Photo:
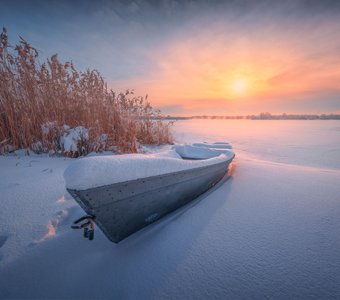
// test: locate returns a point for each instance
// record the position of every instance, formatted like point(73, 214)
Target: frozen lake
point(307, 143)
point(270, 231)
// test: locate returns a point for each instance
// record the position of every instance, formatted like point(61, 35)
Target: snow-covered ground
point(270, 231)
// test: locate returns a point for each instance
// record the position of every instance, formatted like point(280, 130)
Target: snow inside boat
point(124, 193)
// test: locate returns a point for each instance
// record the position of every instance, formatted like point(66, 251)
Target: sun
point(239, 86)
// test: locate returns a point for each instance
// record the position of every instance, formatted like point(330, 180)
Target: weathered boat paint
point(121, 209)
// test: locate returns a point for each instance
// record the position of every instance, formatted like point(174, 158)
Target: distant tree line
point(265, 116)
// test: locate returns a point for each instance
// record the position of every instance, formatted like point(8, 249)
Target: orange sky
point(213, 57)
point(210, 71)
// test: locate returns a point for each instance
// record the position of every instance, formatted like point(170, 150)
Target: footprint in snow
point(3, 239)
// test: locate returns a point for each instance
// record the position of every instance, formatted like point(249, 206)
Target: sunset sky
point(197, 57)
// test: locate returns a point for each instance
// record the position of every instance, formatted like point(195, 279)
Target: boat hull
point(121, 209)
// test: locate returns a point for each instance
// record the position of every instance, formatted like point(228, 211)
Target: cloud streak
point(187, 55)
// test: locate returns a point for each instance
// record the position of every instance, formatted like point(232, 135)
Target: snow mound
point(70, 141)
point(93, 172)
point(194, 152)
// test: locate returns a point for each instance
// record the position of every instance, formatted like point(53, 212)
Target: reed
point(37, 101)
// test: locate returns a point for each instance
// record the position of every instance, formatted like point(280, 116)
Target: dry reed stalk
point(33, 94)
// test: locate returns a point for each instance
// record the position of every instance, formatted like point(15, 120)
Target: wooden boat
point(121, 209)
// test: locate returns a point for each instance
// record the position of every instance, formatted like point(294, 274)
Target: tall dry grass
point(34, 95)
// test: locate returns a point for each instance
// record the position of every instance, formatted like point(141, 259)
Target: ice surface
point(271, 231)
point(92, 172)
point(306, 143)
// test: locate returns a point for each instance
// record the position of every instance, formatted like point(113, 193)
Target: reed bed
point(42, 105)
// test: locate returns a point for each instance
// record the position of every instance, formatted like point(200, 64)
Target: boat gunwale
point(150, 177)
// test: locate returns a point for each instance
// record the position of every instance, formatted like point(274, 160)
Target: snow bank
point(70, 141)
point(194, 152)
point(92, 172)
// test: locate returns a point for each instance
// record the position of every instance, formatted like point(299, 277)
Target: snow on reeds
point(43, 106)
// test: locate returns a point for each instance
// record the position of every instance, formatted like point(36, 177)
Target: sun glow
point(239, 87)
point(237, 79)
